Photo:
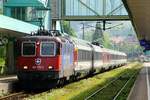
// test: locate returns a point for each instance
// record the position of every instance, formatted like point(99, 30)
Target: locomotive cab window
point(28, 49)
point(48, 49)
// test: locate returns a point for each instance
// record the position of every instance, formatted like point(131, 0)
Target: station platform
point(7, 84)
point(141, 88)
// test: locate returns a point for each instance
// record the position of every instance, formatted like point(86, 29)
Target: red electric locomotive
point(44, 57)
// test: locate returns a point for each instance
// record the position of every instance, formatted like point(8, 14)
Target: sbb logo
point(38, 61)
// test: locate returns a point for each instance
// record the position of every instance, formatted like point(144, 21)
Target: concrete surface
point(141, 88)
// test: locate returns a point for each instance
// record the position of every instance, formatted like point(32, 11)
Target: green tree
point(2, 56)
point(2, 51)
point(107, 41)
point(67, 29)
point(89, 35)
point(98, 35)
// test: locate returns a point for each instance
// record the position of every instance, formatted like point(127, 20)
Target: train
point(52, 56)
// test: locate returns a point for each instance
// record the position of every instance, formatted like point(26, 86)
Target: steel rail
point(103, 87)
point(124, 86)
point(96, 92)
point(14, 96)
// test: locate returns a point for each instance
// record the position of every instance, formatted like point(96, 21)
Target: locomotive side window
point(28, 49)
point(48, 49)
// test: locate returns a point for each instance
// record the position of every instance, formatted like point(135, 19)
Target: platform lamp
point(41, 19)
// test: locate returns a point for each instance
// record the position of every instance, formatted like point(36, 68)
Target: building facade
point(25, 10)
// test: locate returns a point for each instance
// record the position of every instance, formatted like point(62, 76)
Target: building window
point(28, 14)
point(1, 6)
point(33, 14)
point(19, 13)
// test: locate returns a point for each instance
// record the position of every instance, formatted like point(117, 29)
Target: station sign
point(145, 44)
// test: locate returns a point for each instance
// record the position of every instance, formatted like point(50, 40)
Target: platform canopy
point(140, 15)
point(13, 27)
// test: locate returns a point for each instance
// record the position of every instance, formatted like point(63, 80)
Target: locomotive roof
point(55, 38)
point(37, 37)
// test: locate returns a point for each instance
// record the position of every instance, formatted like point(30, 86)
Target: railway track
point(15, 96)
point(110, 83)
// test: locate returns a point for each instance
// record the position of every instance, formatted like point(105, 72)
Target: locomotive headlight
point(75, 63)
point(25, 67)
point(50, 67)
point(38, 43)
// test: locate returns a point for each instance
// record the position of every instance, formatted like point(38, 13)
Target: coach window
point(64, 49)
point(79, 56)
point(28, 49)
point(48, 49)
point(86, 55)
